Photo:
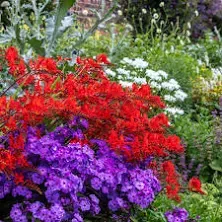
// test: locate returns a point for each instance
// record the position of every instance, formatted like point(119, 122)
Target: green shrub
point(206, 206)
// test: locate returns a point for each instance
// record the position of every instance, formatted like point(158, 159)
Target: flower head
point(195, 185)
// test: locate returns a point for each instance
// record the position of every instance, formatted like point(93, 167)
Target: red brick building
point(82, 7)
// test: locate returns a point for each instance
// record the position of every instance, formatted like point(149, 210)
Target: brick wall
point(82, 7)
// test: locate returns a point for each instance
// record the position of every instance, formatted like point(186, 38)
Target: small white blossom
point(174, 111)
point(158, 31)
point(5, 4)
point(174, 84)
point(85, 12)
point(155, 85)
point(155, 16)
point(136, 63)
point(163, 74)
point(153, 21)
point(196, 13)
point(188, 33)
point(161, 4)
point(119, 77)
point(180, 95)
point(120, 13)
point(126, 60)
point(129, 27)
point(123, 71)
point(171, 85)
point(200, 62)
point(139, 63)
point(110, 72)
point(126, 84)
point(144, 11)
point(140, 80)
point(153, 75)
point(169, 98)
point(217, 73)
point(188, 25)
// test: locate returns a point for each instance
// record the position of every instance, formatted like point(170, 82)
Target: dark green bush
point(5, 4)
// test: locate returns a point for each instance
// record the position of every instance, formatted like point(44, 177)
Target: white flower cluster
point(110, 72)
point(208, 84)
point(136, 71)
point(174, 111)
point(217, 73)
point(136, 63)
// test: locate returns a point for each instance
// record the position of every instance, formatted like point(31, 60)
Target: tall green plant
point(39, 31)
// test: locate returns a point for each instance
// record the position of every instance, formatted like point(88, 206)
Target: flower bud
point(144, 11)
point(5, 4)
point(161, 4)
point(155, 16)
point(120, 13)
point(85, 12)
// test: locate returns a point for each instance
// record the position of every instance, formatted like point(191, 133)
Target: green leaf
point(54, 83)
point(216, 165)
point(62, 8)
point(133, 219)
point(18, 40)
point(36, 44)
point(8, 35)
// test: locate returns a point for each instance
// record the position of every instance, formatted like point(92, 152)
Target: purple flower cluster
point(177, 215)
point(209, 16)
point(77, 180)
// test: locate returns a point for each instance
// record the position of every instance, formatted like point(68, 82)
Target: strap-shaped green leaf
point(216, 165)
point(37, 46)
point(61, 11)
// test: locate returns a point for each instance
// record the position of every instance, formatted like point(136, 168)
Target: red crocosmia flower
point(11, 124)
point(19, 178)
point(102, 58)
point(16, 143)
point(171, 178)
point(194, 185)
point(45, 64)
point(15, 62)
point(11, 54)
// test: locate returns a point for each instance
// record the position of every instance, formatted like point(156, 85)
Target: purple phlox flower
point(80, 122)
point(37, 178)
point(34, 207)
point(77, 218)
point(58, 211)
point(113, 205)
point(95, 209)
point(177, 214)
point(21, 191)
point(16, 212)
point(105, 190)
point(89, 152)
point(78, 134)
point(96, 183)
point(139, 185)
point(100, 143)
point(84, 204)
point(94, 198)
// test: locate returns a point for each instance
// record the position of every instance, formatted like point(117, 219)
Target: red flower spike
point(172, 187)
point(102, 58)
point(16, 64)
point(194, 185)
